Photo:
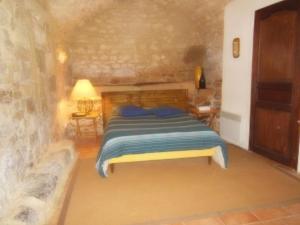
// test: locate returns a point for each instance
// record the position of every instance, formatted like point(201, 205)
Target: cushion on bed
point(132, 111)
point(166, 111)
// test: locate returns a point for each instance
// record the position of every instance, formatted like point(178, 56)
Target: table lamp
point(83, 92)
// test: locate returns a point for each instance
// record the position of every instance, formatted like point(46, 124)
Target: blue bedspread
point(149, 134)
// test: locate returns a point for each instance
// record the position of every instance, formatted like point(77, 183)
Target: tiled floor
point(287, 214)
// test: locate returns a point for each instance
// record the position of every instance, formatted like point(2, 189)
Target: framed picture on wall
point(236, 48)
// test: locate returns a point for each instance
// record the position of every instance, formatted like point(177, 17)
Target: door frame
point(295, 102)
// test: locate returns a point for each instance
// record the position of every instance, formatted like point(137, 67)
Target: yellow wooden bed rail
point(163, 155)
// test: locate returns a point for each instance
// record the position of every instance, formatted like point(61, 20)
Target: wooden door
point(275, 84)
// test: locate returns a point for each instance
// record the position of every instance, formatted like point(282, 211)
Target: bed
point(149, 137)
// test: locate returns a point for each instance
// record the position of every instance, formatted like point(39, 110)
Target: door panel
point(272, 131)
point(276, 51)
point(275, 82)
point(277, 93)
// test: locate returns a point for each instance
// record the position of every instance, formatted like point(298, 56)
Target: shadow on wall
point(195, 55)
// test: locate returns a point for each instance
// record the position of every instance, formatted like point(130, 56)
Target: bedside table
point(87, 123)
point(208, 116)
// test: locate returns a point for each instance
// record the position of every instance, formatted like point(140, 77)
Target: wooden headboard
point(111, 101)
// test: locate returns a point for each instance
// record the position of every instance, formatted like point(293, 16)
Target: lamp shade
point(83, 89)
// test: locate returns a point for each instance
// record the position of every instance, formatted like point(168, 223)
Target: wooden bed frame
point(111, 101)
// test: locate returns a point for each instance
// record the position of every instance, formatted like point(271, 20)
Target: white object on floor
point(204, 108)
point(230, 124)
point(219, 158)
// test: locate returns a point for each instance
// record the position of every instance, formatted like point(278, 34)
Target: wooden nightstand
point(81, 127)
point(207, 117)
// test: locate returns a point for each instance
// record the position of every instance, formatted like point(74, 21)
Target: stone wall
point(27, 92)
point(136, 42)
point(117, 43)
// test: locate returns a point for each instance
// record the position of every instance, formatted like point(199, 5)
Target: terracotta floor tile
point(293, 209)
point(292, 220)
point(205, 221)
point(175, 224)
point(238, 218)
point(270, 222)
point(270, 213)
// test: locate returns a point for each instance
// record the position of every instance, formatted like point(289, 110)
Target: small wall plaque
point(236, 47)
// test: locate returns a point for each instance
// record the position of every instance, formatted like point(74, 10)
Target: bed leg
point(209, 160)
point(112, 168)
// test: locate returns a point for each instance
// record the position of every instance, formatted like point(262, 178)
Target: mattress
point(148, 136)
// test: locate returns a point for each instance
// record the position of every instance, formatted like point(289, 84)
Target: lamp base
point(85, 106)
point(78, 114)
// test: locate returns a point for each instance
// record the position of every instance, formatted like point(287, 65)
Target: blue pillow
point(132, 111)
point(165, 111)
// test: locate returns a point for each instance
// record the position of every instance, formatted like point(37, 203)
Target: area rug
point(147, 192)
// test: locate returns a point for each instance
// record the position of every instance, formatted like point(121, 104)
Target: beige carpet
point(154, 191)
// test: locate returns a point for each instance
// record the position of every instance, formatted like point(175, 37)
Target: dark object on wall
point(275, 106)
point(202, 81)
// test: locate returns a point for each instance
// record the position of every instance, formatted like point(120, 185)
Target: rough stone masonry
point(111, 42)
point(134, 42)
point(29, 172)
